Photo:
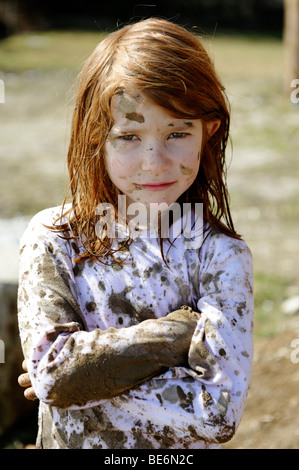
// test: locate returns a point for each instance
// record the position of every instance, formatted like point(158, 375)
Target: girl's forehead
point(124, 102)
point(133, 105)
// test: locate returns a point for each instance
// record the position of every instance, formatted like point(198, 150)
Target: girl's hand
point(24, 381)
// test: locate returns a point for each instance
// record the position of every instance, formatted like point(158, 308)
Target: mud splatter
point(135, 117)
point(126, 105)
point(119, 304)
point(90, 306)
point(208, 278)
point(184, 289)
point(185, 170)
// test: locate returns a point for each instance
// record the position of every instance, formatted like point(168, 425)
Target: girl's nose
point(154, 158)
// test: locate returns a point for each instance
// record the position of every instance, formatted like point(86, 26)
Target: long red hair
point(170, 66)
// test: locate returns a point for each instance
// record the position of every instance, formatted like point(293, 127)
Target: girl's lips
point(155, 186)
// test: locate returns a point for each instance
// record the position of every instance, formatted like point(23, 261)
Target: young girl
point(140, 340)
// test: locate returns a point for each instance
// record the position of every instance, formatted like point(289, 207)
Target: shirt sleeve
point(70, 366)
point(206, 399)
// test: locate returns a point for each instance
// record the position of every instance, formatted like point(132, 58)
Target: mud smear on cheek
point(185, 171)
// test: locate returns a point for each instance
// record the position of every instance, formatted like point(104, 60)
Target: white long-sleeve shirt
point(75, 317)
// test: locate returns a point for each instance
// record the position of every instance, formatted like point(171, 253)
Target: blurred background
point(255, 47)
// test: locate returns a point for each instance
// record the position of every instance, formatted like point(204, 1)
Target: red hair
point(169, 65)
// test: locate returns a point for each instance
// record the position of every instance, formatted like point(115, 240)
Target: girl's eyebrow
point(117, 130)
point(186, 123)
point(128, 128)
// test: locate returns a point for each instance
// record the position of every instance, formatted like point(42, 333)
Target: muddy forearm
point(122, 359)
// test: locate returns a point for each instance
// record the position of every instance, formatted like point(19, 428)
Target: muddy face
point(151, 157)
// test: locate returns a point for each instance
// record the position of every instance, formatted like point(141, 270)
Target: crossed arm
point(121, 359)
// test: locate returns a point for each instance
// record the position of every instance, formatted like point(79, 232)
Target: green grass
point(237, 57)
point(270, 290)
point(47, 51)
point(245, 57)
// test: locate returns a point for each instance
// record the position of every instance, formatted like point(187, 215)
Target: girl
point(134, 339)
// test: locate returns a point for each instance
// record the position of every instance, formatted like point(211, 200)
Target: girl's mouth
point(155, 186)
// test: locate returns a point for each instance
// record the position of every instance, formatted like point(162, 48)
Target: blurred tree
point(210, 15)
point(291, 42)
point(20, 15)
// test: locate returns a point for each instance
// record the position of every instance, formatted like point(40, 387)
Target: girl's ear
point(212, 127)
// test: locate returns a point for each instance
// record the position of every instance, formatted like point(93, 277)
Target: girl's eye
point(128, 137)
point(178, 135)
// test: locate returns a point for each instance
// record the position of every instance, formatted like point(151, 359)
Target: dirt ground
point(264, 192)
point(268, 216)
point(271, 419)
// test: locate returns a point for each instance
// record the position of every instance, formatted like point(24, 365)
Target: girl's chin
point(151, 197)
point(150, 202)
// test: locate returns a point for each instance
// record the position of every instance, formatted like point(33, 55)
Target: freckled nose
point(154, 158)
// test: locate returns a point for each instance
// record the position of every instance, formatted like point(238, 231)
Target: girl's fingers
point(24, 380)
point(30, 394)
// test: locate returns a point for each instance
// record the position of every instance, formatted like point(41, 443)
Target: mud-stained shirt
point(107, 359)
